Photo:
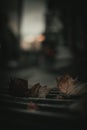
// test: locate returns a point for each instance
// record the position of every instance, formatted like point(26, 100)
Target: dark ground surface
point(46, 75)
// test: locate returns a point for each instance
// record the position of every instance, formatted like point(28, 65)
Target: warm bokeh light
point(32, 42)
point(41, 38)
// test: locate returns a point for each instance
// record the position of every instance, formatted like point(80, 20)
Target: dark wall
point(8, 41)
point(74, 18)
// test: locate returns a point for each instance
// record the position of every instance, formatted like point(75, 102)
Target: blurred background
point(42, 39)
